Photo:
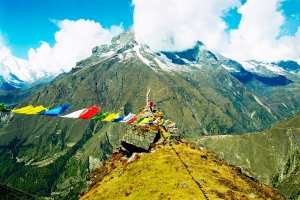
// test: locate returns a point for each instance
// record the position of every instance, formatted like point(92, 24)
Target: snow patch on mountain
point(230, 69)
point(262, 68)
point(274, 68)
point(162, 65)
point(248, 66)
point(121, 57)
point(108, 54)
point(169, 65)
point(149, 51)
point(128, 54)
point(138, 53)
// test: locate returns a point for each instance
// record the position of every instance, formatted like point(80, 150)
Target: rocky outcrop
point(94, 163)
point(137, 139)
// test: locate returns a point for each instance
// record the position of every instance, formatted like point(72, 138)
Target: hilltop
point(175, 170)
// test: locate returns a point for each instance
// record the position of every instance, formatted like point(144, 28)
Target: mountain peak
point(289, 65)
point(123, 41)
point(127, 37)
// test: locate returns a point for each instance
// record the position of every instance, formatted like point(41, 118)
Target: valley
point(210, 104)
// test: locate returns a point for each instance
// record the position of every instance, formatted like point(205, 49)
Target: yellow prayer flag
point(145, 120)
point(111, 117)
point(35, 110)
point(23, 109)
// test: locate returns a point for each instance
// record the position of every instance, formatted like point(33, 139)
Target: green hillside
point(272, 155)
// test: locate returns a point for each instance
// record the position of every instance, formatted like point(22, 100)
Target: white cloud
point(174, 25)
point(74, 42)
point(4, 50)
point(256, 37)
point(1, 40)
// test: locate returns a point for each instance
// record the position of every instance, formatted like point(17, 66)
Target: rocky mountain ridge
point(202, 97)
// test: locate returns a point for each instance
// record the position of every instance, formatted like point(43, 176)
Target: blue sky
point(240, 29)
point(291, 10)
point(26, 22)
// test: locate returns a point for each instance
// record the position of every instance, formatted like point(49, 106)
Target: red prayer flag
point(89, 113)
point(132, 120)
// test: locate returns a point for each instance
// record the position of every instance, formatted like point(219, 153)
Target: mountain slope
point(7, 193)
point(272, 155)
point(5, 86)
point(201, 96)
point(175, 172)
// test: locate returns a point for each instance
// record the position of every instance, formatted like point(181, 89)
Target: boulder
point(138, 139)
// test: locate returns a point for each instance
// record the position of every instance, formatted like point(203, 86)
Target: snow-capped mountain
point(192, 60)
point(17, 73)
point(125, 47)
point(269, 69)
point(272, 74)
point(262, 68)
point(204, 93)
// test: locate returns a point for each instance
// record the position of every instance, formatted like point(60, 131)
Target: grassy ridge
point(175, 172)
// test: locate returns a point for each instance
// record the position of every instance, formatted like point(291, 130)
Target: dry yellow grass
point(176, 172)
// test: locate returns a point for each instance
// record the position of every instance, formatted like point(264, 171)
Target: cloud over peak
point(73, 42)
point(258, 31)
point(175, 25)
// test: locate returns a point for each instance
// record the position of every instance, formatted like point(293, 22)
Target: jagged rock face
point(201, 96)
